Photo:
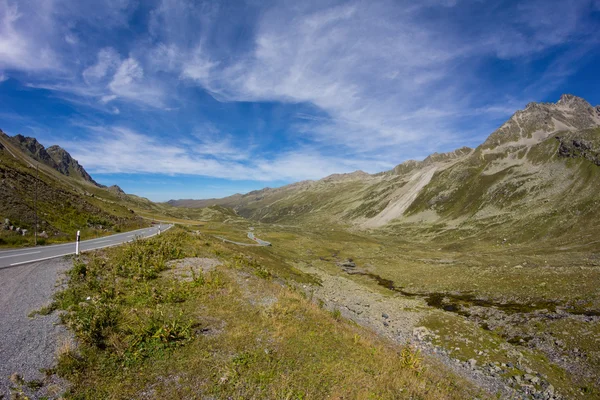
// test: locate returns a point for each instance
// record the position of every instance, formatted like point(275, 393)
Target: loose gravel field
point(28, 344)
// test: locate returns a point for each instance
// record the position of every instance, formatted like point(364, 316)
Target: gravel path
point(28, 344)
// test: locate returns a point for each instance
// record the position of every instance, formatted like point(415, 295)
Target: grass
point(529, 276)
point(235, 332)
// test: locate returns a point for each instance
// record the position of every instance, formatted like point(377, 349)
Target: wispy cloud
point(371, 83)
point(106, 154)
point(385, 75)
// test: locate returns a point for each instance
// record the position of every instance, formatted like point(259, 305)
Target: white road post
point(77, 244)
point(159, 230)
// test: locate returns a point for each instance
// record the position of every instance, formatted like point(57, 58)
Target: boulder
point(422, 333)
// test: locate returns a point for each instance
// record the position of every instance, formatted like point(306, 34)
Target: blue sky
point(191, 99)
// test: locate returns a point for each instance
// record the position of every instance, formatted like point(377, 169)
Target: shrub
point(92, 322)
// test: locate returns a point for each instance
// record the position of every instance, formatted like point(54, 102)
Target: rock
point(531, 378)
point(43, 235)
point(472, 363)
point(386, 324)
point(24, 232)
point(16, 379)
point(517, 379)
point(384, 315)
point(549, 392)
point(346, 264)
point(422, 333)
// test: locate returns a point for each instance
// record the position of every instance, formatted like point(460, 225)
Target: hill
point(543, 163)
point(52, 183)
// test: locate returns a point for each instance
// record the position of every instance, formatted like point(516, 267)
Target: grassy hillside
point(69, 200)
point(61, 209)
point(536, 177)
point(223, 324)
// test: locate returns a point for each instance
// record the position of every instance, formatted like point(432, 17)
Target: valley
point(470, 274)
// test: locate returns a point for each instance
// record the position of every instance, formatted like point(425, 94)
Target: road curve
point(12, 258)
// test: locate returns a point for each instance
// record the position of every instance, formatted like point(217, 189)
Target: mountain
point(540, 168)
point(67, 198)
point(66, 165)
point(54, 156)
point(64, 195)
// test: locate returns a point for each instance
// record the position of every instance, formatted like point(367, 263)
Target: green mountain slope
point(540, 170)
point(67, 197)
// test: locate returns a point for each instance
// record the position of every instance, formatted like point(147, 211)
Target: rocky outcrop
point(54, 156)
point(34, 149)
point(578, 148)
point(67, 165)
point(116, 190)
point(569, 113)
point(356, 175)
point(411, 165)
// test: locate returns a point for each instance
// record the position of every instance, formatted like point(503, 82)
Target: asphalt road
point(12, 258)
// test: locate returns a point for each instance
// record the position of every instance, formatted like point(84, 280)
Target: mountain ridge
point(54, 157)
point(535, 155)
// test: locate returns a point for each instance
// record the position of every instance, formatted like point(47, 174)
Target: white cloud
point(108, 60)
point(3, 77)
point(384, 80)
point(105, 154)
point(128, 82)
point(199, 67)
point(71, 38)
point(20, 46)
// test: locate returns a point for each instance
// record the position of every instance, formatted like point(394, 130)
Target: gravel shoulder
point(29, 344)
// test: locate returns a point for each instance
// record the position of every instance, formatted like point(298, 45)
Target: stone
point(24, 232)
point(422, 333)
point(472, 363)
point(530, 378)
point(43, 235)
point(384, 315)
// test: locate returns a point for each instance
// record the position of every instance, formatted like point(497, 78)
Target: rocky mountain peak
point(346, 177)
point(116, 190)
point(538, 120)
point(34, 149)
point(54, 156)
point(572, 101)
point(67, 165)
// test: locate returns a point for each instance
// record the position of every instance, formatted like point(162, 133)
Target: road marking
point(67, 254)
point(22, 254)
point(139, 232)
point(39, 259)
